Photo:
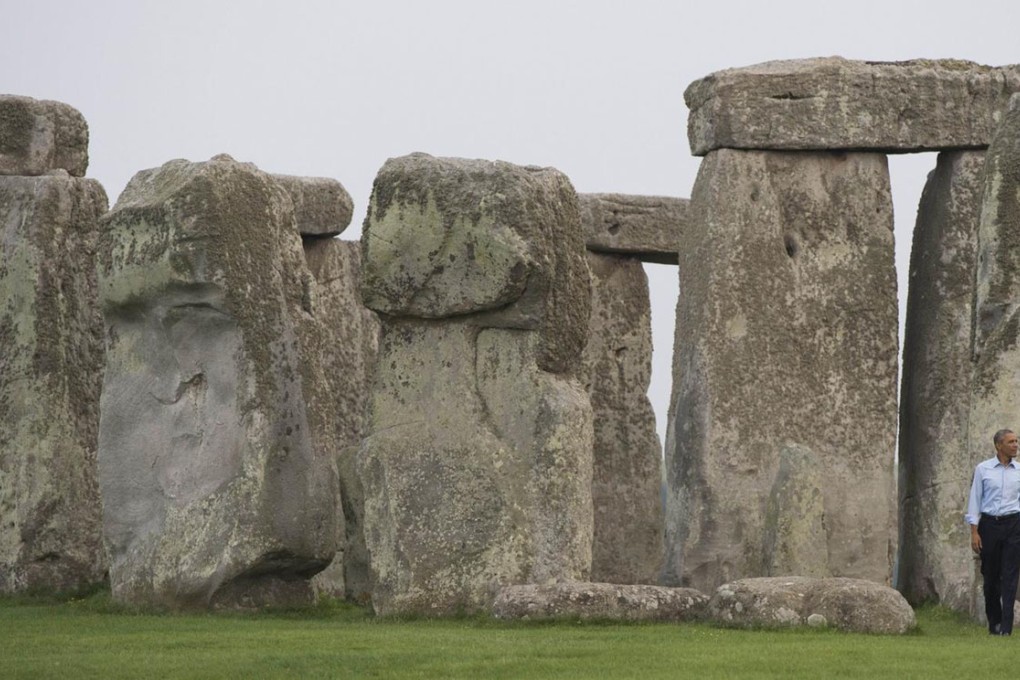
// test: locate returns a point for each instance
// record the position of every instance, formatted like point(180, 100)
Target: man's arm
point(974, 511)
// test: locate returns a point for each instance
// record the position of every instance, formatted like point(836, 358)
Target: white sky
point(593, 88)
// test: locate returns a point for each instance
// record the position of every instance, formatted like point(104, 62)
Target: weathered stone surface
point(995, 388)
point(851, 605)
point(452, 236)
point(794, 515)
point(599, 601)
point(786, 339)
point(836, 103)
point(38, 136)
point(936, 461)
point(647, 227)
point(616, 369)
point(340, 339)
point(51, 365)
point(322, 205)
point(212, 491)
point(477, 469)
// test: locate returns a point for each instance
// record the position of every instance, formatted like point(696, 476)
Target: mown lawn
point(90, 638)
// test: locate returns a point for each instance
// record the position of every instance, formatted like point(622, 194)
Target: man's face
point(1008, 446)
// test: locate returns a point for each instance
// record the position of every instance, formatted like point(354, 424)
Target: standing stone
point(340, 339)
point(995, 389)
point(836, 103)
point(477, 466)
point(341, 342)
point(936, 461)
point(51, 366)
point(786, 338)
point(628, 531)
point(213, 494)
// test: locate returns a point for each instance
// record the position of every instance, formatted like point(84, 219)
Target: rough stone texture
point(451, 236)
point(647, 227)
point(786, 340)
point(935, 461)
point(322, 205)
point(995, 389)
point(51, 365)
point(38, 136)
point(340, 339)
point(477, 469)
point(836, 103)
point(616, 369)
point(848, 604)
point(213, 494)
point(599, 601)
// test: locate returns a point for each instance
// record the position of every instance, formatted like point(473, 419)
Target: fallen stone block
point(851, 605)
point(599, 601)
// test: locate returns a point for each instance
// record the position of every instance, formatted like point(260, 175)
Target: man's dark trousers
point(1000, 567)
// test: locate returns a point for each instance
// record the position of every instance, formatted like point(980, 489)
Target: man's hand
point(975, 539)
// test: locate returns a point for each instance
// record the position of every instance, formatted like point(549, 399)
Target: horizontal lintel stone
point(39, 136)
point(322, 206)
point(647, 227)
point(835, 103)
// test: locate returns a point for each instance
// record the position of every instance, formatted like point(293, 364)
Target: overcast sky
point(333, 89)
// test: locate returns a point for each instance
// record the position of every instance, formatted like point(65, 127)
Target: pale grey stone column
point(627, 478)
point(478, 462)
point(51, 350)
point(342, 340)
point(786, 350)
point(936, 462)
point(214, 492)
point(995, 391)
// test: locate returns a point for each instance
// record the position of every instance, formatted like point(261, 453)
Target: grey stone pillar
point(627, 477)
point(214, 492)
point(340, 362)
point(51, 350)
point(936, 462)
point(995, 390)
point(784, 395)
point(477, 466)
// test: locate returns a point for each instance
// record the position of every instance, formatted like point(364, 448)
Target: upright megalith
point(936, 460)
point(995, 387)
point(340, 338)
point(786, 341)
point(477, 464)
point(213, 491)
point(51, 351)
point(627, 474)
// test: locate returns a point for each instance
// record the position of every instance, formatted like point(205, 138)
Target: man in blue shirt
point(993, 513)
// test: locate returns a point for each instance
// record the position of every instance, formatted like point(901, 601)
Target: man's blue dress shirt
point(995, 490)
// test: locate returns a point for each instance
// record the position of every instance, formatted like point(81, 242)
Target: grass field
point(92, 638)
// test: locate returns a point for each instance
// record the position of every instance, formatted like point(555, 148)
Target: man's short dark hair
point(997, 437)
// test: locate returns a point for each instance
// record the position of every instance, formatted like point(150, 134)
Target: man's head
point(1006, 445)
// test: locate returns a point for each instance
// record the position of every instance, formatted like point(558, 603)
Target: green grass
point(90, 637)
